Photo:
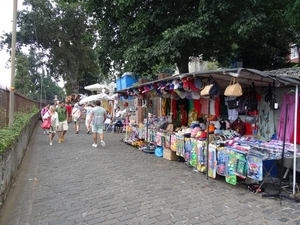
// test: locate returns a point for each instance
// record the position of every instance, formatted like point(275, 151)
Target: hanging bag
point(233, 104)
point(212, 88)
point(234, 89)
point(250, 119)
point(46, 123)
point(252, 103)
point(271, 98)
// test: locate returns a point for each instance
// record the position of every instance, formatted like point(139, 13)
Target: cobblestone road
point(75, 183)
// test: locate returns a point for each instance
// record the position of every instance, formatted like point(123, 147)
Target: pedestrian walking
point(43, 111)
point(81, 116)
point(63, 121)
point(88, 107)
point(54, 122)
point(69, 109)
point(97, 118)
point(76, 115)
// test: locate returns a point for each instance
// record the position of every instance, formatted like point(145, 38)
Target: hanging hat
point(176, 84)
point(195, 95)
point(180, 94)
point(171, 87)
point(146, 89)
point(202, 136)
point(151, 86)
point(195, 131)
point(188, 95)
point(136, 91)
point(198, 83)
point(185, 84)
point(192, 86)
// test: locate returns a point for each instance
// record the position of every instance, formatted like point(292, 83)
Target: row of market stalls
point(225, 122)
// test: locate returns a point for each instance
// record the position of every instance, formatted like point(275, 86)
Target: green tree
point(253, 31)
point(31, 80)
point(64, 33)
point(293, 16)
point(137, 35)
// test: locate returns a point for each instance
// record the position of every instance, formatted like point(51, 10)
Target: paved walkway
point(75, 183)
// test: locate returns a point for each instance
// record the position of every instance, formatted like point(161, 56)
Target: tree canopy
point(138, 34)
point(84, 41)
point(32, 80)
point(65, 34)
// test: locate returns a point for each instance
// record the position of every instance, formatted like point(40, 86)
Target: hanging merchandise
point(252, 102)
point(233, 103)
point(221, 153)
point(163, 106)
point(250, 119)
point(212, 161)
point(230, 176)
point(182, 116)
point(271, 99)
point(255, 168)
point(240, 164)
point(242, 105)
point(212, 87)
point(239, 126)
point(201, 155)
point(234, 89)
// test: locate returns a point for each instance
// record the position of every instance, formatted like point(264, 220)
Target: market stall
point(238, 110)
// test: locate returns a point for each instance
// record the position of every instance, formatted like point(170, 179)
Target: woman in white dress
point(52, 114)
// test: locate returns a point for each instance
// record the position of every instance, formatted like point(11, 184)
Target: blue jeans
point(117, 124)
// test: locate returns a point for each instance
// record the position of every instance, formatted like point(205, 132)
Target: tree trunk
point(183, 64)
point(73, 84)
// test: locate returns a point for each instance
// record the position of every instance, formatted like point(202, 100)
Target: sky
point(6, 15)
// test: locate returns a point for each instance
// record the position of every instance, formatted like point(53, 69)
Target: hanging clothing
point(297, 129)
point(239, 126)
point(266, 127)
point(232, 113)
point(197, 106)
point(288, 100)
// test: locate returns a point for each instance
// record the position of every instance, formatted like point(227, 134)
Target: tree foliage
point(137, 35)
point(65, 33)
point(31, 80)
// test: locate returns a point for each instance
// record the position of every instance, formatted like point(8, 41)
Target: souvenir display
point(229, 135)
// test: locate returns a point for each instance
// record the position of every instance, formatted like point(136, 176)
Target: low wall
point(11, 160)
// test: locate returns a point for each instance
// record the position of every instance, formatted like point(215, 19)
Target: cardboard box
point(170, 155)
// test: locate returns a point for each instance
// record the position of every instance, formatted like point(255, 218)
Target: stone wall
point(10, 161)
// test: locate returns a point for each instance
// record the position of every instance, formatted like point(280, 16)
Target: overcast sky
point(6, 15)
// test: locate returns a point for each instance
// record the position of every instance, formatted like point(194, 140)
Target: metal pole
point(295, 141)
point(12, 74)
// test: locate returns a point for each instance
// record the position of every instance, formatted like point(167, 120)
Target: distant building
point(294, 56)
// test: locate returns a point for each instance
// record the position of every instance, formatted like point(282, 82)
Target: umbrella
point(91, 98)
point(96, 87)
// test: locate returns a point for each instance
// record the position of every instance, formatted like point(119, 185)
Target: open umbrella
point(96, 87)
point(92, 98)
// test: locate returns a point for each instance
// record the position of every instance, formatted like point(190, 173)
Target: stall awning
point(245, 77)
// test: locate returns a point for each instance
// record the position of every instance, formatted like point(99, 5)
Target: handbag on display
point(233, 104)
point(252, 103)
point(271, 99)
point(242, 106)
point(212, 88)
point(234, 89)
point(46, 123)
point(250, 119)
